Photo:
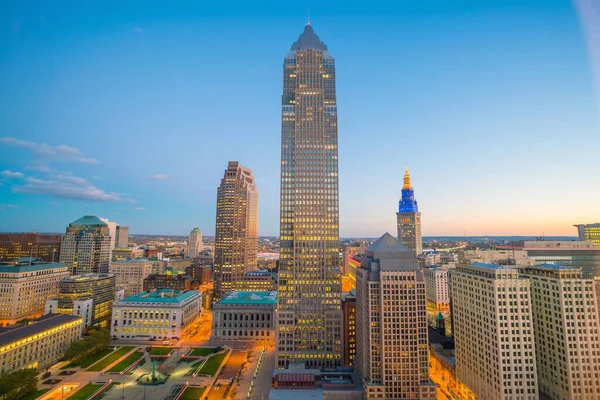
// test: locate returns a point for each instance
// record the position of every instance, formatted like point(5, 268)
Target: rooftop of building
point(131, 261)
point(308, 40)
point(88, 220)
point(87, 277)
point(16, 332)
point(491, 266)
point(387, 244)
point(250, 298)
point(27, 264)
point(162, 296)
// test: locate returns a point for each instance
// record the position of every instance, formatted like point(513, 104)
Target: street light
point(122, 386)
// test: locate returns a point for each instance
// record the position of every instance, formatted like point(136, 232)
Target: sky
point(131, 111)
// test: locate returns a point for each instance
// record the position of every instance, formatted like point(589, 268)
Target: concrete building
point(199, 272)
point(493, 332)
point(89, 296)
point(409, 218)
point(25, 285)
point(309, 331)
point(391, 323)
point(236, 238)
point(86, 246)
point(436, 287)
point(258, 281)
point(565, 323)
point(159, 314)
point(169, 281)
point(121, 253)
point(122, 239)
point(130, 275)
point(511, 256)
point(589, 233)
point(194, 244)
point(349, 310)
point(45, 247)
point(245, 316)
point(39, 343)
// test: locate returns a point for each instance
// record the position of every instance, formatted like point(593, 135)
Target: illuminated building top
point(408, 202)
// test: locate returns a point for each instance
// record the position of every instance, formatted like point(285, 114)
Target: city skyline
point(482, 130)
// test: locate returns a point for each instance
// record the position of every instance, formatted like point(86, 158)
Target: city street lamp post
point(122, 386)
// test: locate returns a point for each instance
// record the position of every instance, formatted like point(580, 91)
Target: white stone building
point(436, 287)
point(130, 275)
point(194, 245)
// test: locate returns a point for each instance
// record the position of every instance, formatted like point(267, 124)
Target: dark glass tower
point(309, 329)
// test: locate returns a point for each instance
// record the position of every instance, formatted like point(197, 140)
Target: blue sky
point(131, 112)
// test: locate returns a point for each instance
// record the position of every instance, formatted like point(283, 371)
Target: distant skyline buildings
point(194, 243)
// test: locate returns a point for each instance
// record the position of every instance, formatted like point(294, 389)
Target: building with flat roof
point(86, 246)
point(391, 323)
point(43, 246)
point(130, 275)
point(589, 233)
point(169, 281)
point(494, 332)
point(121, 253)
point(258, 281)
point(245, 316)
point(199, 272)
point(89, 296)
point(349, 310)
point(565, 323)
point(122, 239)
point(25, 285)
point(436, 287)
point(39, 343)
point(157, 314)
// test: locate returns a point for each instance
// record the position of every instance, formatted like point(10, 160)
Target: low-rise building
point(121, 253)
point(130, 275)
point(39, 343)
point(436, 287)
point(158, 314)
point(42, 246)
point(89, 296)
point(199, 272)
point(169, 281)
point(258, 281)
point(25, 285)
point(245, 316)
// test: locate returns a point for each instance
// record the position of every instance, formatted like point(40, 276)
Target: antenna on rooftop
point(308, 21)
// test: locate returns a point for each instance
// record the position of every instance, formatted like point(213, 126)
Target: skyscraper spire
point(406, 179)
point(409, 217)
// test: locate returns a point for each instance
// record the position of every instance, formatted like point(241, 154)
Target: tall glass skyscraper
point(309, 329)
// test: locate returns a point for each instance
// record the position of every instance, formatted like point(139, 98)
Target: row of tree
point(94, 342)
point(17, 384)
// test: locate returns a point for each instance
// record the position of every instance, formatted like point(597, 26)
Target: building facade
point(409, 218)
point(309, 315)
point(199, 272)
point(245, 316)
point(436, 288)
point(494, 332)
point(236, 237)
point(194, 244)
point(565, 322)
point(37, 344)
point(122, 239)
point(259, 281)
point(589, 233)
point(391, 324)
point(350, 265)
point(121, 253)
point(25, 285)
point(159, 314)
point(45, 247)
point(130, 275)
point(169, 281)
point(349, 311)
point(89, 296)
point(86, 246)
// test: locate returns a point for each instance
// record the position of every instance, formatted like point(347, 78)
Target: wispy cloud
point(137, 29)
point(159, 177)
point(69, 187)
point(4, 206)
point(51, 153)
point(11, 174)
point(140, 208)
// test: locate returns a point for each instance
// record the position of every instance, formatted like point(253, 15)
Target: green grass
point(105, 362)
point(126, 362)
point(192, 393)
point(161, 351)
point(201, 351)
point(35, 394)
point(93, 359)
point(212, 364)
point(86, 391)
point(106, 389)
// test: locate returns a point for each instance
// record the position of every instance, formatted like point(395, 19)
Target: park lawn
point(86, 391)
point(105, 362)
point(192, 393)
point(35, 394)
point(212, 364)
point(126, 362)
point(93, 359)
point(161, 351)
point(106, 389)
point(201, 351)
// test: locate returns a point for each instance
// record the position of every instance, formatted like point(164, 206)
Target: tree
point(15, 385)
point(91, 344)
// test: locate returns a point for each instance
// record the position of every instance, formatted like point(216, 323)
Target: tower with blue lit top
point(409, 218)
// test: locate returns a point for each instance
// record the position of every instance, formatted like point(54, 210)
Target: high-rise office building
point(565, 323)
point(194, 244)
point(309, 328)
point(409, 218)
point(391, 324)
point(589, 233)
point(86, 246)
point(43, 246)
point(236, 232)
point(436, 287)
point(112, 231)
point(130, 275)
point(493, 332)
point(349, 311)
point(122, 239)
